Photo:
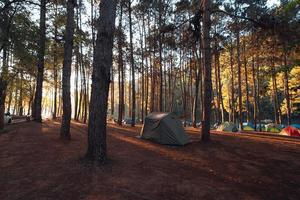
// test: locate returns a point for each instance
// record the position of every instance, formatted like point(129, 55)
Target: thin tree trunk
point(100, 86)
point(147, 71)
point(218, 103)
point(258, 88)
point(132, 66)
point(286, 89)
point(143, 78)
point(120, 69)
point(76, 84)
point(112, 94)
point(232, 105)
point(66, 94)
point(246, 82)
point(274, 84)
point(254, 94)
point(21, 95)
point(197, 72)
point(55, 65)
point(239, 79)
point(220, 91)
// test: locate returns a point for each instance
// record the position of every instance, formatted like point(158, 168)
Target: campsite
point(149, 99)
point(230, 167)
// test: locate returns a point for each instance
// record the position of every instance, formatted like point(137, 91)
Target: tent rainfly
point(290, 131)
point(164, 128)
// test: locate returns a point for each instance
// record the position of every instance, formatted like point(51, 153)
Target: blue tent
point(248, 124)
point(296, 126)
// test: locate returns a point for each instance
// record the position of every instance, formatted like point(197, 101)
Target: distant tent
point(297, 126)
point(164, 128)
point(227, 127)
point(273, 128)
point(248, 128)
point(248, 123)
point(290, 131)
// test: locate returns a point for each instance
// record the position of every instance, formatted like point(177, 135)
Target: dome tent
point(247, 126)
point(297, 126)
point(164, 128)
point(274, 128)
point(290, 131)
point(227, 127)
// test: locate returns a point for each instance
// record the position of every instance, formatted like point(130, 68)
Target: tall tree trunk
point(239, 64)
point(132, 66)
point(151, 63)
point(66, 94)
point(76, 84)
point(21, 95)
point(37, 112)
point(286, 88)
point(112, 94)
point(220, 91)
point(4, 73)
point(274, 84)
point(246, 82)
point(3, 86)
point(55, 66)
point(218, 103)
point(160, 5)
point(207, 71)
point(254, 94)
point(96, 150)
point(147, 71)
point(232, 104)
point(143, 78)
point(120, 68)
point(198, 74)
point(258, 88)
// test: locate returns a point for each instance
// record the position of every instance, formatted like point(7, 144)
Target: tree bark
point(21, 95)
point(254, 94)
point(246, 82)
point(198, 74)
point(207, 71)
point(120, 69)
point(286, 88)
point(96, 150)
point(239, 64)
point(37, 108)
point(232, 105)
point(66, 94)
point(160, 5)
point(132, 66)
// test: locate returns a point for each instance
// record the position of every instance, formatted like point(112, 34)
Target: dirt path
point(35, 164)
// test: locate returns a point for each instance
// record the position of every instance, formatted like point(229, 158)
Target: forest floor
point(36, 164)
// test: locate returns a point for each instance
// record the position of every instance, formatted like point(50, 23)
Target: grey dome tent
point(164, 128)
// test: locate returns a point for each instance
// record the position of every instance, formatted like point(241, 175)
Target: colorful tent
point(290, 131)
point(274, 128)
point(227, 127)
point(248, 128)
point(164, 128)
